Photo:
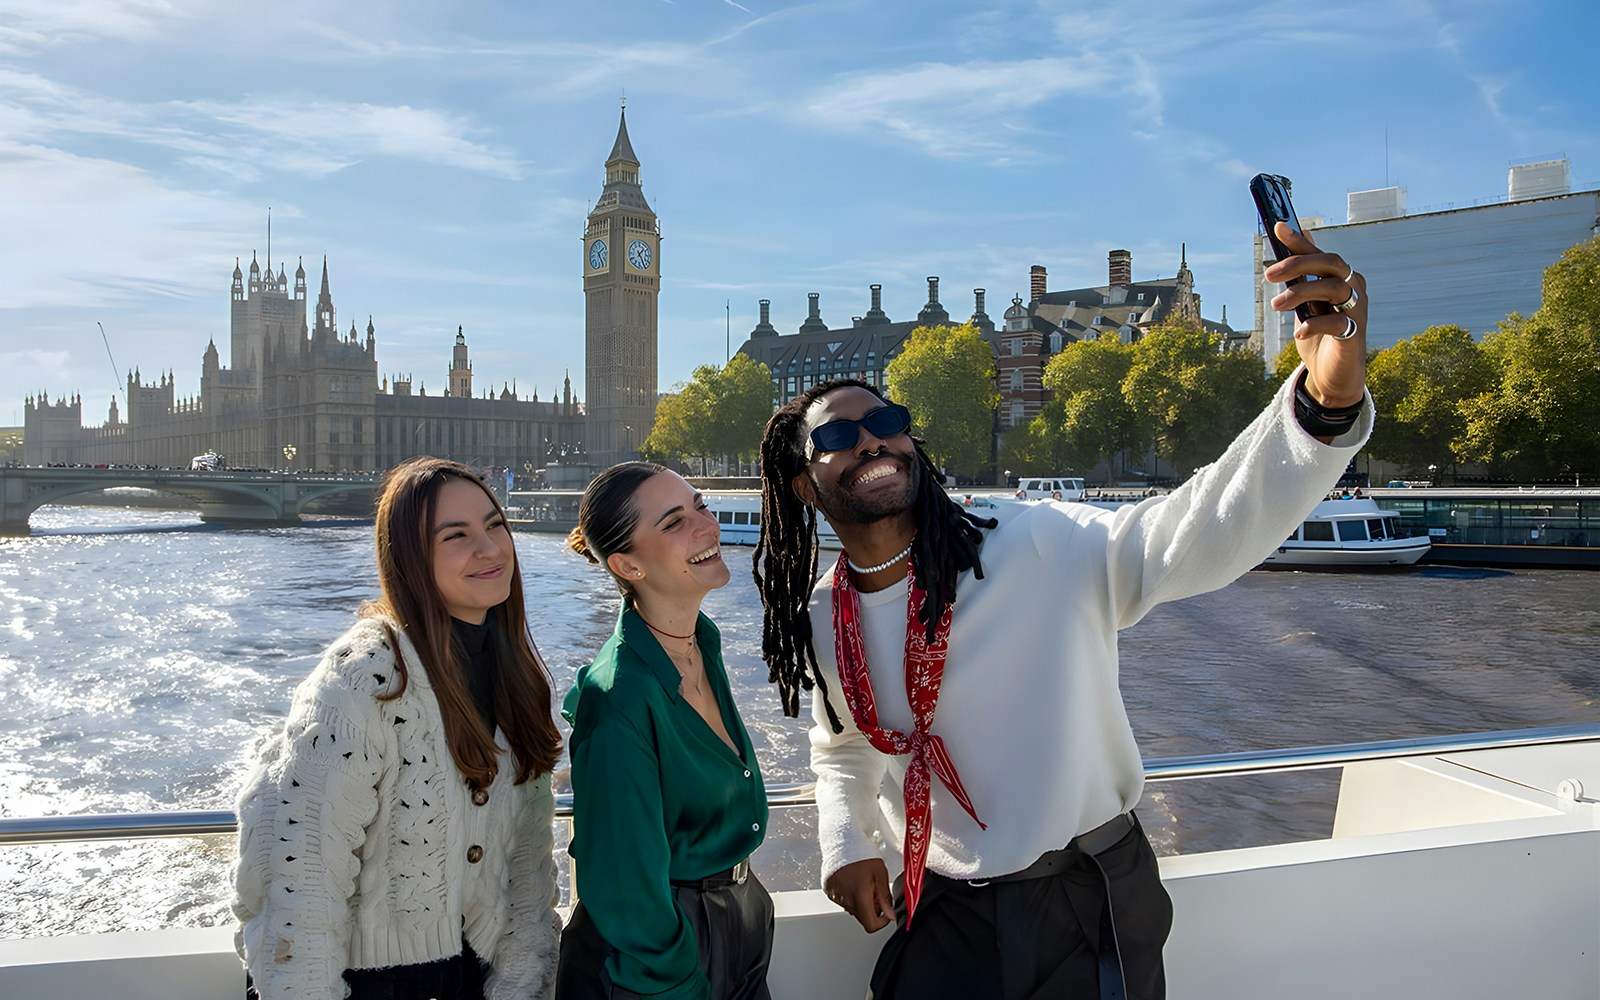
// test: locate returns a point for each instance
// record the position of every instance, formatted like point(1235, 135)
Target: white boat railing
point(210, 822)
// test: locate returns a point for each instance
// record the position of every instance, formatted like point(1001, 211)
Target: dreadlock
point(785, 566)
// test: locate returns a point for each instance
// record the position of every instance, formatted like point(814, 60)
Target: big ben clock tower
point(621, 284)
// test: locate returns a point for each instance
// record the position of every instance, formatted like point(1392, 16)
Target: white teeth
point(702, 557)
point(876, 474)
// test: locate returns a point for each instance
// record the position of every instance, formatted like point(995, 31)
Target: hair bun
point(577, 543)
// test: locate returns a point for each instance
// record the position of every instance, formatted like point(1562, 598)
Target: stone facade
point(621, 291)
point(1035, 332)
point(817, 352)
point(1030, 335)
point(302, 398)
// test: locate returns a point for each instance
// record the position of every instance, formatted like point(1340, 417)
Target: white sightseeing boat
point(1463, 867)
point(739, 516)
point(1348, 533)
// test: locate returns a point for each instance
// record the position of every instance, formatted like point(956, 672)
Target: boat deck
point(1460, 875)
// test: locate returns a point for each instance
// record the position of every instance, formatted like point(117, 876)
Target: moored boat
point(1538, 526)
point(1350, 533)
point(739, 516)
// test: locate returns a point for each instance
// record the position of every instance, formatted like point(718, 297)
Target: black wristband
point(1322, 421)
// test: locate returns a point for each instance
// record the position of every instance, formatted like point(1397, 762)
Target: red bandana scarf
point(924, 671)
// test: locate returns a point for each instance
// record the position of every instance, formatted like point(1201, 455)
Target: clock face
point(639, 254)
point(597, 254)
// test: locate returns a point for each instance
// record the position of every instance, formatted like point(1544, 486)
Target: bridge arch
point(239, 498)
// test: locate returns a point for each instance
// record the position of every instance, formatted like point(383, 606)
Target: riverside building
point(1467, 265)
point(1031, 332)
point(303, 397)
point(299, 394)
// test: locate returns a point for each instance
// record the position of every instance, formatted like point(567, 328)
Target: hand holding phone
point(1271, 193)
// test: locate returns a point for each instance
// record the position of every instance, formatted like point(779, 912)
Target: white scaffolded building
point(1467, 266)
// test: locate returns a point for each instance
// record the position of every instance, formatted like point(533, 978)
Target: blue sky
point(443, 157)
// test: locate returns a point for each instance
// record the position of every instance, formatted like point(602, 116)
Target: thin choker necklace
point(864, 570)
point(669, 635)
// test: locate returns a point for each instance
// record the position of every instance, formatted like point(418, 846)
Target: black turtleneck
point(479, 663)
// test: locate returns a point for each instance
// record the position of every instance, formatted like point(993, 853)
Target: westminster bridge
point(244, 499)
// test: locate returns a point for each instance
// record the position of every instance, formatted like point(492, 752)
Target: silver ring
point(1352, 274)
point(1349, 329)
point(1350, 303)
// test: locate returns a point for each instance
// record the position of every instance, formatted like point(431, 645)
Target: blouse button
point(481, 795)
point(474, 854)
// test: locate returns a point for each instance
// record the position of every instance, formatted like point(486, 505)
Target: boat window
point(1352, 531)
point(724, 517)
point(1317, 531)
point(741, 517)
point(1377, 527)
point(755, 518)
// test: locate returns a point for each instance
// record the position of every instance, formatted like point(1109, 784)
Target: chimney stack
point(1120, 265)
point(1036, 282)
point(933, 291)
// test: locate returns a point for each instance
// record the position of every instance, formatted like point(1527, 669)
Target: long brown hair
point(411, 599)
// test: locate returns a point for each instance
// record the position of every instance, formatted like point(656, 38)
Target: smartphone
point(1271, 193)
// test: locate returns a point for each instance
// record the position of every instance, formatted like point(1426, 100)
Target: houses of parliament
point(298, 393)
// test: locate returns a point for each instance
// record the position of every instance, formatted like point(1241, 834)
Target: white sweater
point(1030, 709)
point(354, 833)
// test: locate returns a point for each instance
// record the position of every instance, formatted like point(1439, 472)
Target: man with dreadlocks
point(1008, 815)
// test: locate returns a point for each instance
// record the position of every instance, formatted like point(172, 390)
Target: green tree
point(1286, 362)
point(1420, 386)
point(742, 400)
point(1541, 417)
point(719, 411)
point(679, 429)
point(1195, 397)
point(945, 376)
point(1090, 419)
point(1023, 449)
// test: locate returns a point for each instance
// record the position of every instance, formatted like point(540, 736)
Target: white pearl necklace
point(864, 570)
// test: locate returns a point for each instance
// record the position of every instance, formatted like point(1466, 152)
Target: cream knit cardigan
point(354, 833)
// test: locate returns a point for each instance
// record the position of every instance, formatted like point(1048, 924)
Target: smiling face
point(473, 555)
point(675, 549)
point(874, 479)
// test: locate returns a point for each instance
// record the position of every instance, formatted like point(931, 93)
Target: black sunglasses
point(884, 422)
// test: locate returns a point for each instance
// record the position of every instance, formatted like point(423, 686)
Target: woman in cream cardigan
point(395, 837)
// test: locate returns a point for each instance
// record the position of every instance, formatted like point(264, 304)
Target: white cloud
point(950, 110)
point(39, 24)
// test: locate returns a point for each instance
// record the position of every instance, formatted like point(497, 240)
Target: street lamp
point(630, 437)
point(289, 451)
point(1433, 475)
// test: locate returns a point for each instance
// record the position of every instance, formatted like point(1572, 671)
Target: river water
point(143, 654)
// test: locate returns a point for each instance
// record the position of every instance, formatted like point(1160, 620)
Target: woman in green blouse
point(667, 798)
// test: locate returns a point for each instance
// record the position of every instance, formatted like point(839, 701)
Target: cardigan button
point(474, 854)
point(747, 774)
point(755, 826)
point(481, 795)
